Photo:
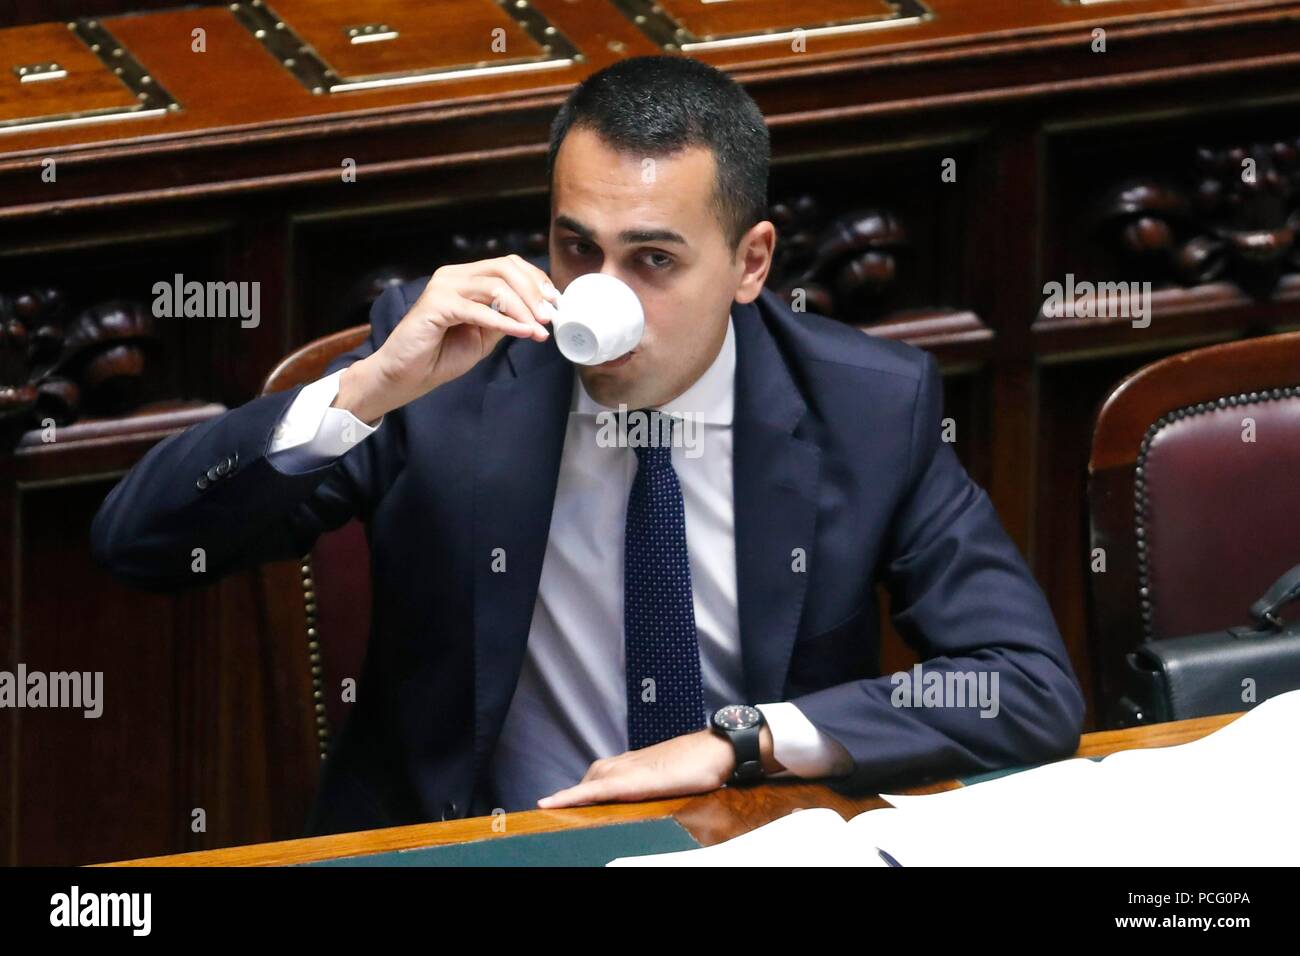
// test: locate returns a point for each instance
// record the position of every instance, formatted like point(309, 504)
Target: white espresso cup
point(599, 318)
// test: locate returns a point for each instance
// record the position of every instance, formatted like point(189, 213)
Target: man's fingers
point(630, 783)
point(543, 280)
point(523, 277)
point(476, 313)
point(593, 791)
point(502, 299)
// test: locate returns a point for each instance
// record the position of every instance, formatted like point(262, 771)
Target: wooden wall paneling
point(207, 700)
point(1169, 208)
point(106, 277)
point(1001, 270)
point(112, 774)
point(219, 705)
point(43, 11)
point(868, 236)
point(1070, 393)
point(258, 254)
point(247, 753)
point(10, 650)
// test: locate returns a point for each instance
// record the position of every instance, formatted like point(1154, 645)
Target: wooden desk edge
point(333, 846)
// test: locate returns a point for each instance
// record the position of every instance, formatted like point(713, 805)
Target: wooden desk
point(710, 818)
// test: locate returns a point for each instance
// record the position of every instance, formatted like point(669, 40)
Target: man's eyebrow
point(627, 236)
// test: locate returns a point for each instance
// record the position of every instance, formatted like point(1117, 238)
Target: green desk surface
point(590, 846)
point(1005, 772)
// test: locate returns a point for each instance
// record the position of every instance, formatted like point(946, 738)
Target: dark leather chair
point(335, 576)
point(1194, 498)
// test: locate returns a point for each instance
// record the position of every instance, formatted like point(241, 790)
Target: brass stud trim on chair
point(314, 657)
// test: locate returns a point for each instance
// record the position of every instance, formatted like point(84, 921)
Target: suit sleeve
point(964, 599)
point(213, 491)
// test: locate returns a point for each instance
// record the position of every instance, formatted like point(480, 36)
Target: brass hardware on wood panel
point(656, 23)
point(35, 72)
point(370, 33)
point(298, 56)
point(151, 98)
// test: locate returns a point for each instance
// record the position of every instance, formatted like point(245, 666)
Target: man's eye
point(666, 260)
point(579, 246)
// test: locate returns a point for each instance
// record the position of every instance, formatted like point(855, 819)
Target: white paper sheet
point(1222, 800)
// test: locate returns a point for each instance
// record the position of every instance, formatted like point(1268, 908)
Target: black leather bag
point(1218, 673)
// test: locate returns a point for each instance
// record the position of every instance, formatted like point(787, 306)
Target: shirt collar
point(710, 399)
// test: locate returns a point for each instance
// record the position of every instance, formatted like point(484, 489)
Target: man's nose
point(622, 275)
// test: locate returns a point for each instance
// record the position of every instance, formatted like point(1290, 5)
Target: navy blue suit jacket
point(837, 451)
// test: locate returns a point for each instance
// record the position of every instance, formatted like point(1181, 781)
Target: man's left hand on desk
point(693, 763)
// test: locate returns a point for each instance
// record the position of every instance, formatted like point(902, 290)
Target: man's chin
point(617, 382)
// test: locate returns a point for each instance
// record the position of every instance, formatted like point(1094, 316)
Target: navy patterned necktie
point(665, 692)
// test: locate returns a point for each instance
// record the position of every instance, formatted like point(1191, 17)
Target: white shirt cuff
point(800, 747)
point(312, 433)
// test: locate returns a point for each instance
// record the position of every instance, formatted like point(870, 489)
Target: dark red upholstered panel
point(341, 573)
point(1221, 514)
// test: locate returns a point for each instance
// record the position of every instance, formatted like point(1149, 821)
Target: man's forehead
point(626, 234)
point(671, 206)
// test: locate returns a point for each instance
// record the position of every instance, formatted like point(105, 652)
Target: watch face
point(736, 717)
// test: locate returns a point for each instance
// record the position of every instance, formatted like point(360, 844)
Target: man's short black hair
point(657, 105)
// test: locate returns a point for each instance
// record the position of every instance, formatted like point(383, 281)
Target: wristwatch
point(742, 724)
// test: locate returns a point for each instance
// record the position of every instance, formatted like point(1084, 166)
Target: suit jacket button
point(202, 483)
point(449, 809)
point(213, 474)
point(223, 467)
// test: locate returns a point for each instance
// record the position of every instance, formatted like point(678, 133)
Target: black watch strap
point(745, 742)
point(749, 755)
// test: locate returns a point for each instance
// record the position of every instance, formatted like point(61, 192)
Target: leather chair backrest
point(1194, 498)
point(335, 576)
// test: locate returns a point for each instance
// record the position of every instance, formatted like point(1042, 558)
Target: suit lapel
point(775, 478)
point(517, 463)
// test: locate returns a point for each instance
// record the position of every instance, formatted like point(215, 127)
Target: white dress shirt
point(570, 707)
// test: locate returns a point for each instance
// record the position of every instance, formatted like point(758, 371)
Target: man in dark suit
point(559, 619)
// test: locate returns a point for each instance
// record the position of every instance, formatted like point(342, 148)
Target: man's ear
point(755, 251)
